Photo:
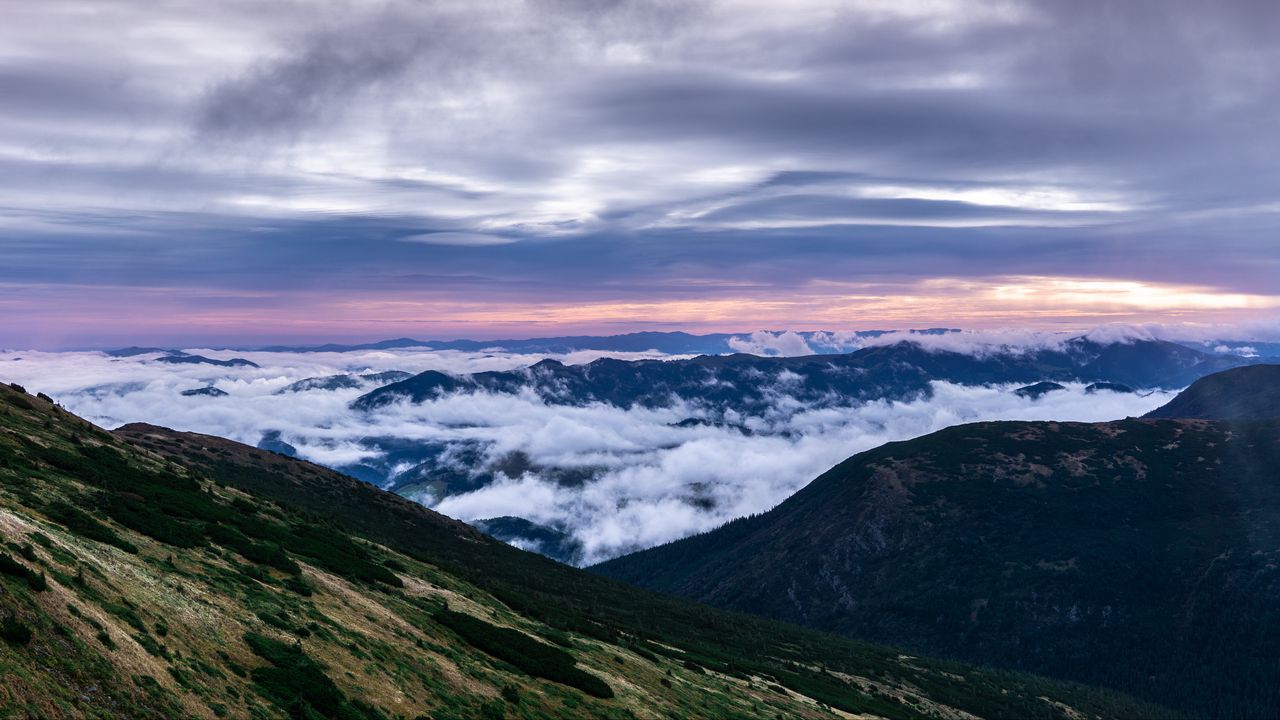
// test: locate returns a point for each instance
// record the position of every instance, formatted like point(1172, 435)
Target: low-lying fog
point(640, 480)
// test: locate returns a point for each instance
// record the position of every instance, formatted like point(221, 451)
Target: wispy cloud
point(639, 155)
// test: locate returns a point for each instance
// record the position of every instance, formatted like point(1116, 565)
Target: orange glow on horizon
point(1036, 302)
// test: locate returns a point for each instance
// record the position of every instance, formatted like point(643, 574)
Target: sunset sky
point(176, 172)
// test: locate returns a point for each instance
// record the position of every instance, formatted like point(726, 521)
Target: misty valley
point(584, 455)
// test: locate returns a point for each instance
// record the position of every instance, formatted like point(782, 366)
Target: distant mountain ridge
point(744, 383)
point(764, 342)
point(1143, 555)
point(347, 381)
point(181, 358)
point(672, 343)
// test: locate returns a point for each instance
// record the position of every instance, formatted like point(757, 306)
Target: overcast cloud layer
point(650, 482)
point(321, 170)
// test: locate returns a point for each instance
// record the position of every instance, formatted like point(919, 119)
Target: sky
point(186, 173)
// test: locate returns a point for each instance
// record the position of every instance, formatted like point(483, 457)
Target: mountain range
point(745, 384)
point(730, 390)
point(1141, 555)
point(672, 343)
point(149, 573)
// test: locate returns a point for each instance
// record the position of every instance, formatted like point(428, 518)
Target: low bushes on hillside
point(35, 580)
point(14, 631)
point(533, 657)
point(298, 685)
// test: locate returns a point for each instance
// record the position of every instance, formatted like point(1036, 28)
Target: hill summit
point(1245, 393)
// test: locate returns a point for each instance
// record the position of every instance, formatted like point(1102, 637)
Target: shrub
point(34, 580)
point(84, 525)
point(138, 515)
point(106, 640)
point(127, 614)
point(337, 553)
point(299, 585)
point(14, 631)
point(150, 644)
point(530, 656)
point(37, 582)
point(19, 401)
point(268, 554)
point(28, 552)
point(296, 683)
point(642, 652)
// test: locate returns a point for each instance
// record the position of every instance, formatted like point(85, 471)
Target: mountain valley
point(150, 573)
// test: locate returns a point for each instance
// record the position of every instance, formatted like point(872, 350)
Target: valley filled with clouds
point(607, 479)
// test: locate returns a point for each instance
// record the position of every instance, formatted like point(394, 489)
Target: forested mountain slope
point(1142, 555)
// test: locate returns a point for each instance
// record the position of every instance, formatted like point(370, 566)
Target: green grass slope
point(152, 574)
point(1140, 555)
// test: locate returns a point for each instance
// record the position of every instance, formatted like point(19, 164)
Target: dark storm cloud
point(428, 48)
point(317, 80)
point(632, 151)
point(946, 131)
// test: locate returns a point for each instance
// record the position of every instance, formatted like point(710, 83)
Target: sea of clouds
point(986, 343)
point(650, 481)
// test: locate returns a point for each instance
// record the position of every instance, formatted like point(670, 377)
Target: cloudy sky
point(235, 171)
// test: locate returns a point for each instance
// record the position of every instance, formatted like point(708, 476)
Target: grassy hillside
point(1140, 555)
point(159, 574)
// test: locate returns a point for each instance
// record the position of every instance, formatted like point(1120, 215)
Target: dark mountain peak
point(208, 391)
point(1244, 393)
point(140, 427)
point(185, 359)
point(1092, 388)
point(1038, 390)
point(386, 376)
point(134, 351)
point(273, 441)
point(417, 388)
point(345, 381)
